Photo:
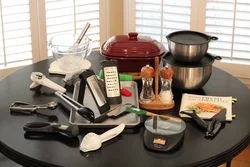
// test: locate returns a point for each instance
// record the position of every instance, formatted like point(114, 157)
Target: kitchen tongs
point(213, 127)
point(85, 112)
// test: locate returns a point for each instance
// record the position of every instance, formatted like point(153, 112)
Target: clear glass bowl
point(68, 54)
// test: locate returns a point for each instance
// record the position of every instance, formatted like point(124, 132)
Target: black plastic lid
point(207, 60)
point(190, 37)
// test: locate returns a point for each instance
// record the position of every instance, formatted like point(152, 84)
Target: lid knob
point(133, 35)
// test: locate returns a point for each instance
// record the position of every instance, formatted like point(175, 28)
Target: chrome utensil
point(85, 29)
point(27, 108)
point(74, 47)
point(85, 112)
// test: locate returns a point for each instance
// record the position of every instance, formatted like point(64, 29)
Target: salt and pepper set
point(149, 98)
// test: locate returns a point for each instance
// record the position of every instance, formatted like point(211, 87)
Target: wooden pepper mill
point(147, 93)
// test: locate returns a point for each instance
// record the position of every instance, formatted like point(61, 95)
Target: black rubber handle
point(215, 130)
point(211, 126)
point(101, 118)
point(217, 58)
point(213, 38)
point(196, 118)
point(72, 130)
point(37, 127)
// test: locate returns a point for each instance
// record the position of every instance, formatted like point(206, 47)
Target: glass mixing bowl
point(68, 54)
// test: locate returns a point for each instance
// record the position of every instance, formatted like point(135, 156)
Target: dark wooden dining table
point(127, 149)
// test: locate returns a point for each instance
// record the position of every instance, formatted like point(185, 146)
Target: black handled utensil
point(85, 112)
point(113, 113)
point(196, 118)
point(46, 127)
point(217, 121)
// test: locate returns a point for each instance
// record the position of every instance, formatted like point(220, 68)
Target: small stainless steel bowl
point(190, 76)
point(188, 46)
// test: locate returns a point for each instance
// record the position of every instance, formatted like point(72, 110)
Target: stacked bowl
point(189, 59)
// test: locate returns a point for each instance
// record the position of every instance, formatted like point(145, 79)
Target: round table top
point(127, 149)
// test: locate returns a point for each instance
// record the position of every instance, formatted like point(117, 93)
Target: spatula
point(144, 112)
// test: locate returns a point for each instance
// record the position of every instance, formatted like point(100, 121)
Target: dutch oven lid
point(190, 37)
point(132, 45)
point(207, 60)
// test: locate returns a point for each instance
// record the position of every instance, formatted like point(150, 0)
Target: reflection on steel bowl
point(190, 76)
point(188, 46)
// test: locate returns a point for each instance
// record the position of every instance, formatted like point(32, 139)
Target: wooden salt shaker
point(166, 95)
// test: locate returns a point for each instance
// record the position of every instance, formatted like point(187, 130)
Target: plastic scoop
point(92, 141)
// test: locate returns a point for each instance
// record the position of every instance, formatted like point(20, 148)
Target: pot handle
point(217, 58)
point(212, 38)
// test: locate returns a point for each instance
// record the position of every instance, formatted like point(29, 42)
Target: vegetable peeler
point(47, 127)
point(213, 127)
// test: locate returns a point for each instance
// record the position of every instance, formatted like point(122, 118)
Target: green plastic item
point(136, 110)
point(123, 77)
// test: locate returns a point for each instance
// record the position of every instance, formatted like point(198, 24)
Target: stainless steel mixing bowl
point(190, 76)
point(188, 46)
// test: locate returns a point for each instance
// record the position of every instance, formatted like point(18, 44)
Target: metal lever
point(85, 112)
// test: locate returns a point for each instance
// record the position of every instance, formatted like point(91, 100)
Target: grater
point(111, 81)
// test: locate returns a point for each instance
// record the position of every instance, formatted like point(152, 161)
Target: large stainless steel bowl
point(190, 76)
point(188, 46)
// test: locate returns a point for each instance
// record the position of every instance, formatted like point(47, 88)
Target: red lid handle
point(133, 36)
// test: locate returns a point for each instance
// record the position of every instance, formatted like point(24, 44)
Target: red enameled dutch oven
point(132, 51)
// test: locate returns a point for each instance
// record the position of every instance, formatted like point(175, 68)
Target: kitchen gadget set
point(108, 101)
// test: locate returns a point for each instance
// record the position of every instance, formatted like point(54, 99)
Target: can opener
point(39, 78)
point(213, 127)
point(92, 141)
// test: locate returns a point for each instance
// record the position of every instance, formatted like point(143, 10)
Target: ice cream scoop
point(93, 141)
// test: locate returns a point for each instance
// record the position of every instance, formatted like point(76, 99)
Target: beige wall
point(115, 17)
